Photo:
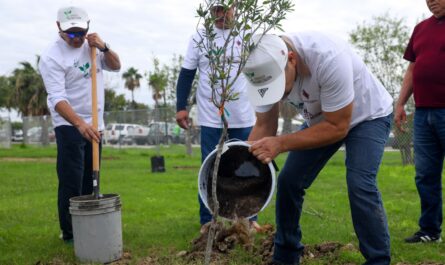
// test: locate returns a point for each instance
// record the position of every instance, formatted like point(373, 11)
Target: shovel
point(95, 124)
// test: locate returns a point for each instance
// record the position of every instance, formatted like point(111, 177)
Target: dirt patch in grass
point(29, 159)
point(326, 251)
point(44, 159)
point(422, 263)
point(186, 167)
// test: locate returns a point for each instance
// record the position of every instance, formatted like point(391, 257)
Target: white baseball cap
point(72, 17)
point(264, 70)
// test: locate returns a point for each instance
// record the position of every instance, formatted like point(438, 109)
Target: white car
point(17, 136)
point(116, 132)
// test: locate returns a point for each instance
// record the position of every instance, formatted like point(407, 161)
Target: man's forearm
point(266, 124)
point(112, 60)
point(407, 86)
point(67, 112)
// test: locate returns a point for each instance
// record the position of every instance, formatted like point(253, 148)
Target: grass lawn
point(159, 210)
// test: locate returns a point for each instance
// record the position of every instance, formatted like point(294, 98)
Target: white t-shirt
point(66, 72)
point(239, 113)
point(338, 76)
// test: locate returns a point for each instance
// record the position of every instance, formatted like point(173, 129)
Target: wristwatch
point(106, 47)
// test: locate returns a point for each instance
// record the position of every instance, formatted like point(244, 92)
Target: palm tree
point(28, 96)
point(132, 78)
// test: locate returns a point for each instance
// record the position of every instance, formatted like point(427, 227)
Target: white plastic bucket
point(97, 228)
point(237, 158)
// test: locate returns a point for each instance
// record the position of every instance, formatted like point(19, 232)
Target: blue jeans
point(364, 149)
point(429, 150)
point(209, 139)
point(74, 170)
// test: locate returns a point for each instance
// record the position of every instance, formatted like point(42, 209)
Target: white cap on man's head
point(264, 70)
point(72, 17)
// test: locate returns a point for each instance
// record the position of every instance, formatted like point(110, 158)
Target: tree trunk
point(188, 137)
point(407, 157)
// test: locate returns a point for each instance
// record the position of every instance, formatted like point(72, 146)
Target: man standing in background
point(241, 118)
point(425, 79)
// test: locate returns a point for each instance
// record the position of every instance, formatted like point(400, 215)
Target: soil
point(238, 233)
point(329, 252)
point(226, 237)
point(44, 159)
point(243, 186)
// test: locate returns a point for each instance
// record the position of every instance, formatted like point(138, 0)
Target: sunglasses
point(75, 34)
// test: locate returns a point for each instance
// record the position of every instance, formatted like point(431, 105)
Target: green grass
point(159, 210)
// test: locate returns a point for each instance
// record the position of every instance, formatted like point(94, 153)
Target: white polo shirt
point(239, 113)
point(66, 73)
point(338, 76)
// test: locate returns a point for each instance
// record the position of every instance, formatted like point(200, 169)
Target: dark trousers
point(74, 170)
point(364, 145)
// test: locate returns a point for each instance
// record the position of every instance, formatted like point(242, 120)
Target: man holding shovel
point(343, 104)
point(65, 67)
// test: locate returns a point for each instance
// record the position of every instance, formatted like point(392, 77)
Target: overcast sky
point(140, 29)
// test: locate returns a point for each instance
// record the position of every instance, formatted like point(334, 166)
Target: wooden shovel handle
point(94, 107)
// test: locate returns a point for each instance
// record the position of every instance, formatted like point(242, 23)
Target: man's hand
point(88, 132)
point(182, 118)
point(95, 41)
point(400, 117)
point(266, 149)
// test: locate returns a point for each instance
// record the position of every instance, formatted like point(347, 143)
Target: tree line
point(380, 42)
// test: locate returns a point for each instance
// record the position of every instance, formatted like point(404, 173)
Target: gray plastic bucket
point(97, 228)
point(236, 163)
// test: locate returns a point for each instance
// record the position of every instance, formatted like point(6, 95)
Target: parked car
point(35, 134)
point(17, 136)
point(165, 133)
point(137, 135)
point(116, 132)
point(294, 127)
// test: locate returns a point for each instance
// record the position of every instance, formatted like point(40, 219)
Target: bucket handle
point(233, 140)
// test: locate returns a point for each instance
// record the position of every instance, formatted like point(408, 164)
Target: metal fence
point(123, 128)
point(5, 132)
point(155, 127)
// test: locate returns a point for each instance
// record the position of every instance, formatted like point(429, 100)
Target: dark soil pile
point(328, 250)
point(243, 185)
point(226, 237)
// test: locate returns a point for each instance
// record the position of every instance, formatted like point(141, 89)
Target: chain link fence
point(5, 132)
point(123, 128)
point(158, 126)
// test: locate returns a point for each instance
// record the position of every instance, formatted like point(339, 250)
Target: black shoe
point(420, 237)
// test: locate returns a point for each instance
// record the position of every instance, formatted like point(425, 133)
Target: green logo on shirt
point(84, 69)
